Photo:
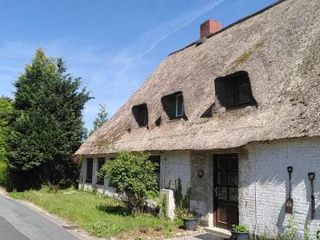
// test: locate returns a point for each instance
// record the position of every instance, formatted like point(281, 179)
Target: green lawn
point(100, 216)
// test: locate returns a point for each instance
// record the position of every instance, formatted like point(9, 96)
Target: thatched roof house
point(228, 115)
point(279, 48)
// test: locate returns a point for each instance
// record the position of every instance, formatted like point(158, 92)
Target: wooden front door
point(226, 190)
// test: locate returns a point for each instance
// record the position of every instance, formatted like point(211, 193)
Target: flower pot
point(240, 235)
point(190, 224)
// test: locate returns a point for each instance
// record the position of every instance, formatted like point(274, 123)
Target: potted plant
point(239, 232)
point(188, 218)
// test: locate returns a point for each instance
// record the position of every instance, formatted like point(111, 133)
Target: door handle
point(216, 191)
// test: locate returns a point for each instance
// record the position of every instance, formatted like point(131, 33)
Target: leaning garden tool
point(311, 176)
point(289, 202)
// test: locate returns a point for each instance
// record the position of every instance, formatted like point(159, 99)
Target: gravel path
point(201, 236)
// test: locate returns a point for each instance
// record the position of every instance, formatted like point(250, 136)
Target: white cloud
point(164, 30)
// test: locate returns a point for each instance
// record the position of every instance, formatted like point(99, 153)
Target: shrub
point(132, 175)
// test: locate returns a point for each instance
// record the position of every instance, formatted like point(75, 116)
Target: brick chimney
point(209, 27)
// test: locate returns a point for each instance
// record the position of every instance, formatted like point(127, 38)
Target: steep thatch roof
point(279, 48)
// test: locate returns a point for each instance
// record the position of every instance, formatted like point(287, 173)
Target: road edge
point(61, 222)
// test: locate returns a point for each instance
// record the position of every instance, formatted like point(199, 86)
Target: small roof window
point(179, 105)
point(173, 105)
point(234, 90)
point(140, 113)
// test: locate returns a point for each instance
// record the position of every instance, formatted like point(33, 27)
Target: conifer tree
point(5, 114)
point(101, 118)
point(47, 127)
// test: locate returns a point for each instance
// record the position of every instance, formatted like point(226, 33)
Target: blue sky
point(112, 45)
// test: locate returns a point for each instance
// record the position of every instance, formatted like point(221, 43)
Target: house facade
point(229, 115)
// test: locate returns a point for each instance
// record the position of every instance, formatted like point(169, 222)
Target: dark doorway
point(226, 190)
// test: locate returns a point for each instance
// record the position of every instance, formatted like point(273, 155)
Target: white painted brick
point(264, 177)
point(175, 165)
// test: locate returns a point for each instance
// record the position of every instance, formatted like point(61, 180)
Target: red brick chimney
point(209, 27)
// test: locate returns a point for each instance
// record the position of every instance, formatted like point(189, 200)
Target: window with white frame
point(179, 105)
point(173, 105)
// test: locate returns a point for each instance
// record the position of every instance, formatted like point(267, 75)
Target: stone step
point(218, 232)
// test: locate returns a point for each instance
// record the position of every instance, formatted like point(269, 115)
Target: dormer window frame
point(137, 111)
point(234, 91)
point(179, 96)
point(173, 106)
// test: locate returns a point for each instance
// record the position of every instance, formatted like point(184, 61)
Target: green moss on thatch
point(248, 54)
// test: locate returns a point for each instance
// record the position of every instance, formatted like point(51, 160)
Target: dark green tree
point(5, 113)
point(101, 118)
point(47, 126)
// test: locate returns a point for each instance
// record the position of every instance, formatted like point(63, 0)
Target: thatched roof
point(279, 48)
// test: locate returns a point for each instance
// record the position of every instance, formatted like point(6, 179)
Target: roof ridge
point(232, 24)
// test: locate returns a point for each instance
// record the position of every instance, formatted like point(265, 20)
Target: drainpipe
point(255, 210)
point(255, 203)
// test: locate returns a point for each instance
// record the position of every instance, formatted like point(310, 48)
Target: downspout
point(255, 202)
point(255, 210)
point(81, 174)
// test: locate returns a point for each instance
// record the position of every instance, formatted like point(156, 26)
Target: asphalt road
point(18, 222)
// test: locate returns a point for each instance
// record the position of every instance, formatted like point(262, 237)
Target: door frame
point(215, 180)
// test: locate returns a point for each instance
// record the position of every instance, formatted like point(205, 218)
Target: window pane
point(101, 161)
point(234, 179)
point(156, 160)
point(222, 193)
point(233, 194)
point(89, 170)
point(241, 93)
point(223, 164)
point(179, 105)
point(222, 178)
point(234, 165)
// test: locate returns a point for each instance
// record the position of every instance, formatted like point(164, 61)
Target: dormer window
point(173, 105)
point(179, 105)
point(140, 113)
point(234, 91)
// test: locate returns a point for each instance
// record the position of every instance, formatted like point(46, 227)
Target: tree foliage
point(47, 126)
point(5, 113)
point(101, 118)
point(132, 175)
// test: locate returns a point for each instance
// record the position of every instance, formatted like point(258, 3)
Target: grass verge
point(100, 216)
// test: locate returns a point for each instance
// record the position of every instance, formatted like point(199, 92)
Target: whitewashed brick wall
point(264, 184)
point(175, 165)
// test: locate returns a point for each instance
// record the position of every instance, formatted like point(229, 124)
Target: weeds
point(291, 233)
